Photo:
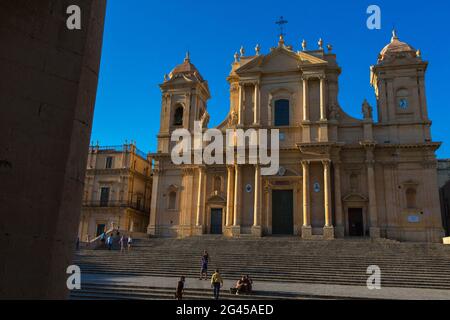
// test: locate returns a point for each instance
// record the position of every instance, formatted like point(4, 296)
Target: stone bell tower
point(398, 80)
point(184, 100)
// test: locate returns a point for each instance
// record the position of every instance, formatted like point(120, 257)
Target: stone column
point(200, 193)
point(256, 229)
point(340, 230)
point(230, 193)
point(237, 201)
point(382, 101)
point(187, 109)
point(323, 111)
point(188, 203)
point(305, 100)
point(374, 229)
point(256, 105)
point(152, 226)
point(423, 99)
point(166, 112)
point(241, 105)
point(328, 230)
point(306, 228)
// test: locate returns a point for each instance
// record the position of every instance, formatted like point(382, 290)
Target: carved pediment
point(315, 149)
point(173, 187)
point(354, 197)
point(280, 59)
point(410, 183)
point(216, 198)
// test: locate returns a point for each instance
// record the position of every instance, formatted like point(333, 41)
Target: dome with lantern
point(187, 70)
point(397, 49)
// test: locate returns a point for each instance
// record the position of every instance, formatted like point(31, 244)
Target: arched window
point(178, 116)
point(281, 112)
point(172, 200)
point(139, 202)
point(217, 183)
point(411, 198)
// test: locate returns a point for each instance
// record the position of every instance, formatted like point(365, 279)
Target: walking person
point(122, 243)
point(249, 283)
point(109, 242)
point(129, 242)
point(204, 269)
point(216, 283)
point(180, 289)
point(103, 239)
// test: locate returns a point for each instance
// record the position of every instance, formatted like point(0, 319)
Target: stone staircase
point(283, 260)
point(102, 291)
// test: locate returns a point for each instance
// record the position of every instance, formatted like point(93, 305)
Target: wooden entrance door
point(282, 212)
point(216, 221)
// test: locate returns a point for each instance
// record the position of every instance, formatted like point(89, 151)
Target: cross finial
point(188, 56)
point(281, 22)
point(394, 34)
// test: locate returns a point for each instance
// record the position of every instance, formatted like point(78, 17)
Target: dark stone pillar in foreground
point(48, 83)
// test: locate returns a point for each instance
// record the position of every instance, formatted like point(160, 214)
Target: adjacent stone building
point(339, 176)
point(117, 191)
point(444, 192)
point(443, 168)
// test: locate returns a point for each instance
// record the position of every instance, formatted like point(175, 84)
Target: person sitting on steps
point(248, 283)
point(240, 285)
point(243, 285)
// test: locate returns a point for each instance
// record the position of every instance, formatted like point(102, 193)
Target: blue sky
point(145, 39)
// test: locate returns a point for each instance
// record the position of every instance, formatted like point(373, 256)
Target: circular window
point(316, 187)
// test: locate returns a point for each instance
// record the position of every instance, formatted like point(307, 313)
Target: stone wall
point(48, 87)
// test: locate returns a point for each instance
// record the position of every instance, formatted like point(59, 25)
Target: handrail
point(99, 237)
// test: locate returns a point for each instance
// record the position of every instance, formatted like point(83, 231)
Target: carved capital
point(305, 163)
point(187, 171)
point(202, 169)
point(234, 87)
point(326, 163)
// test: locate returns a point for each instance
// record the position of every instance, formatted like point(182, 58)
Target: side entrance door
point(355, 222)
point(216, 221)
point(282, 212)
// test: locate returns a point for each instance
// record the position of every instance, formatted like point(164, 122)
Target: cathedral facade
point(339, 176)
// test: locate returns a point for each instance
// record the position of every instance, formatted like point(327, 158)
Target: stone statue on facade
point(334, 112)
point(204, 120)
point(233, 119)
point(367, 110)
